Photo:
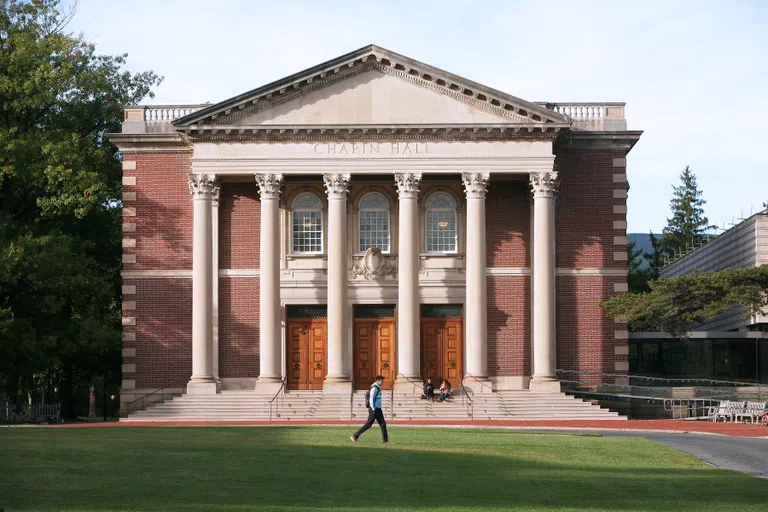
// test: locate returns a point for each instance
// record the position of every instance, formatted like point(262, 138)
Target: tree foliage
point(675, 305)
point(688, 225)
point(59, 196)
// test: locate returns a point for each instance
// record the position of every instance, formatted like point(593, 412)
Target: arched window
point(373, 223)
point(441, 231)
point(307, 224)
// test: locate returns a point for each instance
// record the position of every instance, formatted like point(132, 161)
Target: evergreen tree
point(638, 277)
point(688, 224)
point(655, 259)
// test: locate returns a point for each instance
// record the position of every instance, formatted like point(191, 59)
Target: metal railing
point(275, 400)
point(683, 397)
point(143, 398)
point(470, 403)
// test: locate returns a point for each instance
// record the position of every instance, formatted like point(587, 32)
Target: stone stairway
point(316, 405)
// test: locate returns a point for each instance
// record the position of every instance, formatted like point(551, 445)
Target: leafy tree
point(59, 198)
point(688, 224)
point(676, 304)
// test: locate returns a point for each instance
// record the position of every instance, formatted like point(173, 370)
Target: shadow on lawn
point(268, 469)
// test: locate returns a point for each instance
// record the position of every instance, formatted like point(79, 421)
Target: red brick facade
point(161, 336)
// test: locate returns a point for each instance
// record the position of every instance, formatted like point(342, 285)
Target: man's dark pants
point(377, 415)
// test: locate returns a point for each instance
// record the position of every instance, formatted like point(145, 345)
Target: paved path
point(747, 455)
point(703, 427)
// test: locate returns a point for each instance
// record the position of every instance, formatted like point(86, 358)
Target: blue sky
point(694, 74)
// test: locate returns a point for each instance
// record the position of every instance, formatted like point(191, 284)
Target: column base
point(269, 385)
point(477, 385)
point(202, 387)
point(545, 385)
point(410, 385)
point(337, 387)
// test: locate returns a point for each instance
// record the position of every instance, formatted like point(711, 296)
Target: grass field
point(312, 468)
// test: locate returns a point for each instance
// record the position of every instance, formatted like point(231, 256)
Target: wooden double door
point(441, 350)
point(307, 352)
point(374, 351)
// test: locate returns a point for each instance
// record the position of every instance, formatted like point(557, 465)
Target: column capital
point(201, 185)
point(269, 185)
point(336, 185)
point(544, 184)
point(216, 193)
point(408, 184)
point(475, 184)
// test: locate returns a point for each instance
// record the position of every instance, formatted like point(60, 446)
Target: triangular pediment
point(373, 86)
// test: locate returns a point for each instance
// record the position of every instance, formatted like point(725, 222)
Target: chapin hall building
point(371, 215)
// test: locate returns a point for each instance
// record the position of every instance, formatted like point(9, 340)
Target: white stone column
point(544, 186)
point(476, 310)
point(337, 380)
point(408, 317)
point(270, 332)
point(202, 381)
point(215, 196)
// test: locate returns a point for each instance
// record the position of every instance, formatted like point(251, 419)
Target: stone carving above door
point(373, 266)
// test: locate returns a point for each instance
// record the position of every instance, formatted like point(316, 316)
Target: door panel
point(374, 351)
point(385, 350)
point(318, 351)
point(296, 360)
point(363, 349)
point(452, 352)
point(306, 353)
point(442, 350)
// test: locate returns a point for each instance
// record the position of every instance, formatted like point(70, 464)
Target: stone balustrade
point(155, 118)
point(592, 116)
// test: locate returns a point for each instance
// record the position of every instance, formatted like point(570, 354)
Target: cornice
point(150, 142)
point(364, 133)
point(601, 141)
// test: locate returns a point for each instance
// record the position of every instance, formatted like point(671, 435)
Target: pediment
point(373, 86)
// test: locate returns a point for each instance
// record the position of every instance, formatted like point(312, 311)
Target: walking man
point(374, 411)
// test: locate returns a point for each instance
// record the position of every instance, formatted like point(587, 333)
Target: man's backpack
point(368, 398)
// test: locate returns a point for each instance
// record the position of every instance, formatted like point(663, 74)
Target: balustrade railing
point(584, 111)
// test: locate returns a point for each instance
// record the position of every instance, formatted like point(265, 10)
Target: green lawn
point(312, 468)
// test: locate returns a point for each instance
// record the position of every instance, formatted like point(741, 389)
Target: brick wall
point(238, 327)
point(585, 334)
point(163, 340)
point(509, 325)
point(584, 212)
point(508, 224)
point(163, 212)
point(239, 218)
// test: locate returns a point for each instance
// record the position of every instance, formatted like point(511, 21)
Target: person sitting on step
point(445, 390)
point(429, 391)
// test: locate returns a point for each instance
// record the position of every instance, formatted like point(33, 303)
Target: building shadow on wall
point(160, 231)
point(163, 332)
point(584, 330)
point(509, 335)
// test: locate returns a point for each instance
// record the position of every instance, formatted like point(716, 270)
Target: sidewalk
point(701, 427)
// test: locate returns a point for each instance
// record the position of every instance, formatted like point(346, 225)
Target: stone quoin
point(371, 215)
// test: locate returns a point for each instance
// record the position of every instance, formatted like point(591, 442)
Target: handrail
point(392, 391)
point(282, 386)
point(463, 392)
point(667, 379)
point(470, 403)
point(160, 390)
point(352, 402)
